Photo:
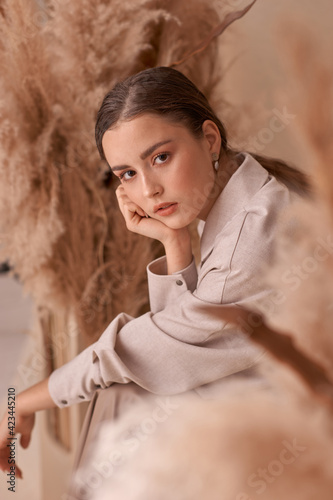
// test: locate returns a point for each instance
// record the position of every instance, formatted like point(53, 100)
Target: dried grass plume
point(59, 222)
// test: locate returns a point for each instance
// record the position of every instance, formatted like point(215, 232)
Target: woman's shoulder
point(251, 202)
point(243, 234)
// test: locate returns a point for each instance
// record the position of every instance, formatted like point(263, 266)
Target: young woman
point(169, 150)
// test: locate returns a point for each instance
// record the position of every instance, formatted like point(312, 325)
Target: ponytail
point(294, 179)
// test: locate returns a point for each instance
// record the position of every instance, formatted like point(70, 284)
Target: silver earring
point(215, 159)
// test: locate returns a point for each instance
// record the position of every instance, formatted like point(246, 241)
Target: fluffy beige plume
point(60, 225)
point(304, 271)
point(251, 446)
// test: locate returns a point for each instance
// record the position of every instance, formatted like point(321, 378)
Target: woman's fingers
point(18, 472)
point(5, 459)
point(137, 221)
point(135, 209)
point(127, 207)
point(25, 440)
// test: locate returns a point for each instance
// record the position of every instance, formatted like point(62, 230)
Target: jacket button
point(81, 397)
point(64, 402)
point(98, 386)
point(179, 282)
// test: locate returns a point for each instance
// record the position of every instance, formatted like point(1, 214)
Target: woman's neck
point(229, 163)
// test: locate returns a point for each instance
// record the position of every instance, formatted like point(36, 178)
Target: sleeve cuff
point(164, 288)
point(65, 385)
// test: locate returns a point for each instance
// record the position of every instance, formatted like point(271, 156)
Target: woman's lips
point(166, 209)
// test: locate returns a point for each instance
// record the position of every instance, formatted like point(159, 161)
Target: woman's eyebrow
point(145, 154)
point(152, 148)
point(120, 167)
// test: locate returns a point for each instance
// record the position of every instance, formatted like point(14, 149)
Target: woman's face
point(163, 168)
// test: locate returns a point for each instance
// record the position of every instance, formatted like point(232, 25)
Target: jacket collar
point(241, 187)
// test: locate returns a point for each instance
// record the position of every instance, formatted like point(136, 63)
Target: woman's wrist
point(178, 250)
point(34, 399)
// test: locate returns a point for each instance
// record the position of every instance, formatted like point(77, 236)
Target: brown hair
point(167, 92)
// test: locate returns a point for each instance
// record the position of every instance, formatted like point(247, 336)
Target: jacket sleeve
point(164, 288)
point(176, 348)
point(170, 352)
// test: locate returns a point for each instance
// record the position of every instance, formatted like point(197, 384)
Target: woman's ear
point(212, 135)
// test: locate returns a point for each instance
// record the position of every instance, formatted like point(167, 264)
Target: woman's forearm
point(35, 398)
point(178, 251)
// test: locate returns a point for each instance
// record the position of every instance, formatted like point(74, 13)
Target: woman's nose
point(151, 186)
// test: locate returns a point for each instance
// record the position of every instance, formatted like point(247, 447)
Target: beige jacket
point(175, 347)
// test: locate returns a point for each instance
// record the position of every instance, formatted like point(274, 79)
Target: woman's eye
point(161, 158)
point(126, 176)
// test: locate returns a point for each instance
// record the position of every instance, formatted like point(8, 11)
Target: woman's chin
point(178, 224)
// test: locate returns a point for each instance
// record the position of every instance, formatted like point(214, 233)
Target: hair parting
point(167, 92)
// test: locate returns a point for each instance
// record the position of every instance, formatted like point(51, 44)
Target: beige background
point(259, 77)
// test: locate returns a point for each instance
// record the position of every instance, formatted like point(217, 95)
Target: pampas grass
point(60, 226)
point(243, 447)
point(304, 272)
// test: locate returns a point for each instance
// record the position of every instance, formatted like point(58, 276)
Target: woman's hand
point(23, 426)
point(177, 242)
point(29, 401)
point(137, 221)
